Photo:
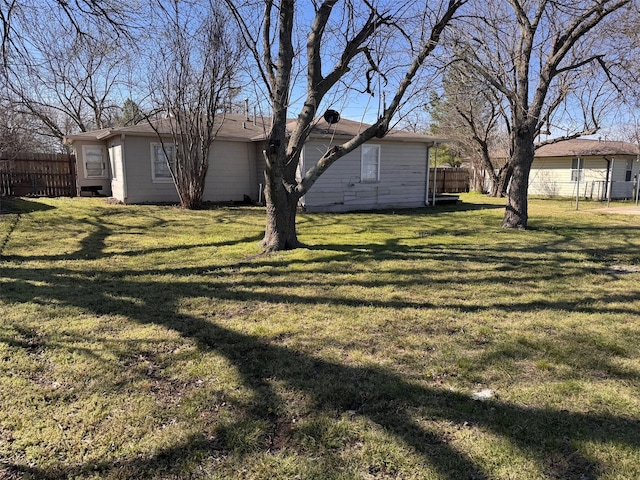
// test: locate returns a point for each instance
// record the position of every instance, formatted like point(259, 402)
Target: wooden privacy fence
point(449, 180)
point(38, 175)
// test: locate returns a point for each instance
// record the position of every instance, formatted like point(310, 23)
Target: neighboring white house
point(129, 164)
point(592, 168)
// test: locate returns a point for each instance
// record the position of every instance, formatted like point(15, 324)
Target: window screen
point(370, 171)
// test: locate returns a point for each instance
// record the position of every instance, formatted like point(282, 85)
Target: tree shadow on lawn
point(402, 408)
point(17, 207)
point(445, 207)
point(384, 398)
point(93, 245)
point(13, 205)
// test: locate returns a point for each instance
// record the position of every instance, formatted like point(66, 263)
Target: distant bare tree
point(193, 80)
point(18, 18)
point(62, 62)
point(15, 134)
point(69, 83)
point(553, 62)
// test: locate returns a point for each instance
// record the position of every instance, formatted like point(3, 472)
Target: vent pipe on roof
point(246, 108)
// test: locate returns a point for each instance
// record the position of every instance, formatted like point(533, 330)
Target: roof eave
point(390, 137)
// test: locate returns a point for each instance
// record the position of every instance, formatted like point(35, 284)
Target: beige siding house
point(128, 164)
point(592, 168)
point(395, 176)
point(391, 172)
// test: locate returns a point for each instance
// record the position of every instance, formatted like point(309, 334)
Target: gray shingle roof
point(587, 147)
point(234, 127)
point(242, 128)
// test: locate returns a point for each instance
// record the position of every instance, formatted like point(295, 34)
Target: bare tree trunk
point(495, 184)
point(280, 230)
point(282, 206)
point(515, 215)
point(500, 181)
point(478, 181)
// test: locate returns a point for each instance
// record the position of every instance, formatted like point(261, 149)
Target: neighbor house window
point(629, 171)
point(577, 169)
point(370, 167)
point(161, 158)
point(95, 165)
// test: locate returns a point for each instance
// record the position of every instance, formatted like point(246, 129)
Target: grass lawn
point(151, 342)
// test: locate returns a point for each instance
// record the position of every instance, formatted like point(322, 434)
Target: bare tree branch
point(193, 81)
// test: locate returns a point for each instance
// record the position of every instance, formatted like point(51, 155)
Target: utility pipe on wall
point(578, 186)
point(426, 186)
point(638, 182)
point(435, 169)
point(610, 186)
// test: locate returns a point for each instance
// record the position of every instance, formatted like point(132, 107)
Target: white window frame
point(577, 169)
point(155, 161)
point(114, 168)
point(86, 149)
point(628, 173)
point(365, 174)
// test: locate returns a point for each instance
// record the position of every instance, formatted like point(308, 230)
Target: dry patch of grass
point(152, 342)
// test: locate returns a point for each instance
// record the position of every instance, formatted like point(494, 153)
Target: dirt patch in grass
point(633, 210)
point(622, 269)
